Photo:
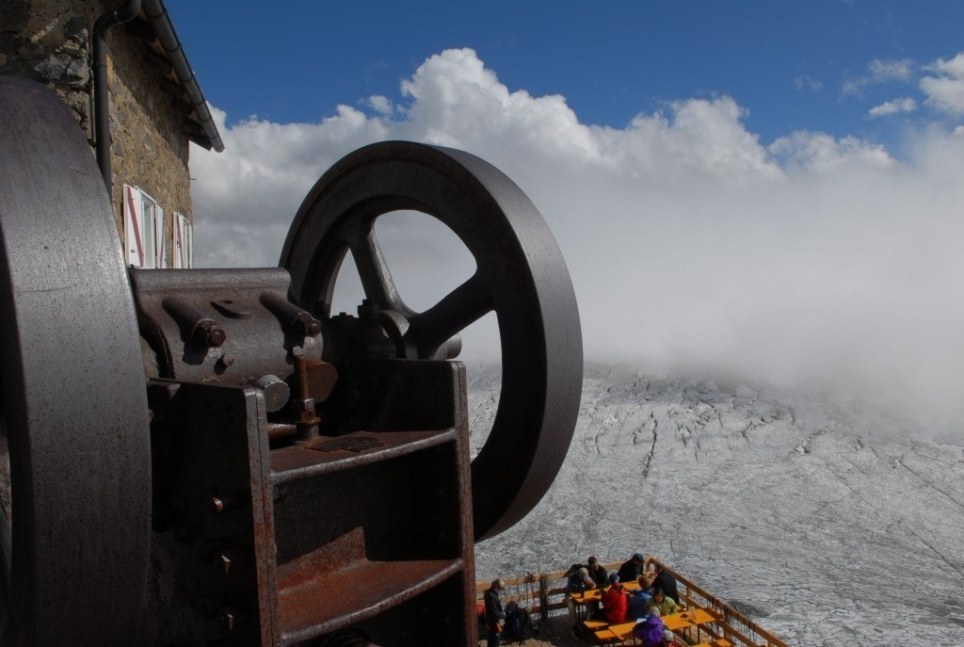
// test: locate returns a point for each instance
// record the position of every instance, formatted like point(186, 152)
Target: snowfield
point(829, 520)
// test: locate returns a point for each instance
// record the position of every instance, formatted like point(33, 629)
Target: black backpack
point(518, 624)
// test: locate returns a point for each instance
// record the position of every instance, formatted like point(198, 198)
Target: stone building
point(143, 119)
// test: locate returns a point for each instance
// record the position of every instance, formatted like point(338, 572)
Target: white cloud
point(945, 91)
point(805, 82)
point(819, 152)
point(380, 104)
point(685, 236)
point(880, 72)
point(897, 106)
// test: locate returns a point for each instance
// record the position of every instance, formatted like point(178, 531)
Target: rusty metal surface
point(256, 332)
point(378, 520)
point(303, 477)
point(213, 580)
point(73, 390)
point(521, 276)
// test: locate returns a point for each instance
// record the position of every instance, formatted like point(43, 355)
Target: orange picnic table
point(685, 619)
point(615, 632)
point(595, 595)
point(673, 622)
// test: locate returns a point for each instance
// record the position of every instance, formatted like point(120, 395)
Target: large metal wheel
point(520, 276)
point(73, 408)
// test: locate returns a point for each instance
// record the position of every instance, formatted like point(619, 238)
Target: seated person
point(652, 633)
point(666, 582)
point(578, 582)
point(665, 604)
point(597, 572)
point(613, 602)
point(637, 602)
point(632, 568)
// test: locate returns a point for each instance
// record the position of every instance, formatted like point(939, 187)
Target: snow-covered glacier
point(830, 519)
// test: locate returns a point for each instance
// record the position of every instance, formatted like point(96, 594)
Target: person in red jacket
point(614, 601)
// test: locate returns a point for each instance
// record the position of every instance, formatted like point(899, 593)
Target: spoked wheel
point(520, 276)
point(76, 518)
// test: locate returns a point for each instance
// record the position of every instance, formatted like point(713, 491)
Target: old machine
point(209, 457)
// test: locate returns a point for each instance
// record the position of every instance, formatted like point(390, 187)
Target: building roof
point(162, 39)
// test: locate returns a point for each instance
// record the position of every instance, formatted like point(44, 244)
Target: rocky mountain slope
point(831, 520)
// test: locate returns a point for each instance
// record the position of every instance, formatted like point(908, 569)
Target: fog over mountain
point(830, 519)
point(828, 265)
point(688, 236)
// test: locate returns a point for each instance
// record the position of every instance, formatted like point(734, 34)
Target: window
point(183, 242)
point(143, 230)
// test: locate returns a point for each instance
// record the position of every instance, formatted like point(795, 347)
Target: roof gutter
point(101, 91)
point(155, 11)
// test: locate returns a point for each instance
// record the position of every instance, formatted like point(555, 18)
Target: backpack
point(518, 624)
point(650, 631)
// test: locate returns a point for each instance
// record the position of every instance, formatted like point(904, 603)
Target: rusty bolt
point(227, 620)
point(217, 504)
point(223, 560)
point(307, 325)
point(301, 377)
point(209, 333)
point(303, 406)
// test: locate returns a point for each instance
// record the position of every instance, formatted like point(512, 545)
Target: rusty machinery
point(208, 457)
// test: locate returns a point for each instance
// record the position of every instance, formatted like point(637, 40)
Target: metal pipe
point(101, 90)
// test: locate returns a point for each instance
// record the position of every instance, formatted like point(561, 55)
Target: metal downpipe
point(101, 91)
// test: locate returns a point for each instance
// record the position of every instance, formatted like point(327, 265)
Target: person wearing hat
point(494, 614)
point(632, 568)
point(614, 601)
point(651, 632)
point(579, 581)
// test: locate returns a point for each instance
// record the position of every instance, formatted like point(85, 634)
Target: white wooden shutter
point(133, 229)
point(143, 230)
point(183, 242)
point(160, 249)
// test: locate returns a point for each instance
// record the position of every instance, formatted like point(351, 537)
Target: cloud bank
point(687, 238)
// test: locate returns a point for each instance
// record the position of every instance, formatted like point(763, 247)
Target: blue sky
point(788, 64)
point(771, 187)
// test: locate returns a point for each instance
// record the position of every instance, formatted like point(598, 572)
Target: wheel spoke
point(458, 310)
point(375, 276)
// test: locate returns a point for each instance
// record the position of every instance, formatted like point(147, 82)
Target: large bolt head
point(276, 392)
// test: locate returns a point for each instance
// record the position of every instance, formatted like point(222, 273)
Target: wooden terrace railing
point(543, 596)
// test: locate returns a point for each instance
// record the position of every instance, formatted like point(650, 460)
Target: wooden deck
point(543, 596)
point(555, 631)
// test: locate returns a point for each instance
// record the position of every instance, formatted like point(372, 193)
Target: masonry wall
point(49, 40)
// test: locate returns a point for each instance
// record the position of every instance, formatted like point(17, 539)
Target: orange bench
point(623, 631)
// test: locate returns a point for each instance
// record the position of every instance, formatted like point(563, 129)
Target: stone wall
point(49, 40)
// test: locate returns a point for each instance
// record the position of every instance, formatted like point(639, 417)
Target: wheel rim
point(520, 276)
point(73, 401)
